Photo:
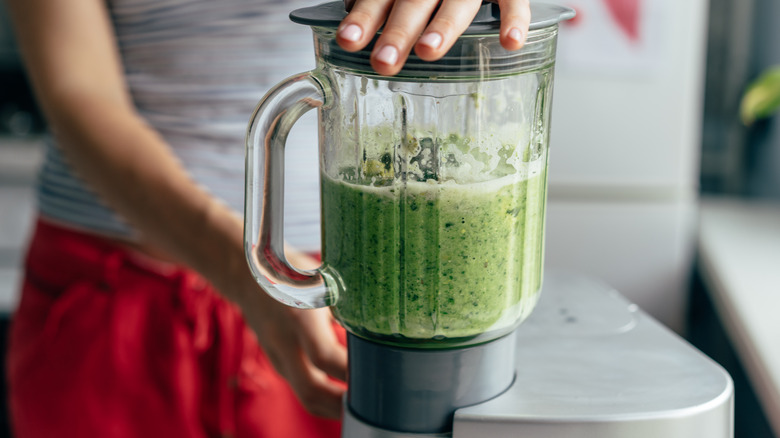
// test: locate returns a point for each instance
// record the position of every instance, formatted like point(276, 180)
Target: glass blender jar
point(433, 189)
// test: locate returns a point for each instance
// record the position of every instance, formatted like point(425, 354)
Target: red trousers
point(105, 344)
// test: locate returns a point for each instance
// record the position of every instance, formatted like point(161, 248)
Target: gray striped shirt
point(196, 69)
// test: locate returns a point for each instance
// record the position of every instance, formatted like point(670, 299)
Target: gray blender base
point(424, 387)
point(590, 364)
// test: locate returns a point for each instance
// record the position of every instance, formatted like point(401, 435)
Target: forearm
point(75, 67)
point(134, 171)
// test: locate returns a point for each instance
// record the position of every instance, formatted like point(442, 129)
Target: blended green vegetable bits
point(430, 259)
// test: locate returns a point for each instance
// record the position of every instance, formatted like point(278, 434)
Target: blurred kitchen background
point(656, 186)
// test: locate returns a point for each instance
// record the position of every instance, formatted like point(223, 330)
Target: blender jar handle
point(264, 201)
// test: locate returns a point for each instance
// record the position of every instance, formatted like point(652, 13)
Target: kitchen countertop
point(739, 246)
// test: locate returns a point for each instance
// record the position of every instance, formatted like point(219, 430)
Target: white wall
point(625, 149)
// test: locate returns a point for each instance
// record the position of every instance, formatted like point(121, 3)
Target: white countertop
point(739, 245)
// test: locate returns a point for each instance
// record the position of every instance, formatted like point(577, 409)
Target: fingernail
point(516, 35)
point(387, 55)
point(351, 32)
point(431, 39)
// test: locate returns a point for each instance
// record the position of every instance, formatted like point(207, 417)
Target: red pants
point(105, 345)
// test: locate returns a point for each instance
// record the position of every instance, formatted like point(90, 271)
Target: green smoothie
point(434, 259)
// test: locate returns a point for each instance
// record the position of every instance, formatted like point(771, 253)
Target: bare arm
point(73, 63)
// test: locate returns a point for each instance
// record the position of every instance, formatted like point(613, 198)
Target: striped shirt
point(195, 70)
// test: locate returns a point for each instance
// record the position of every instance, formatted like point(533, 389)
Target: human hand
point(302, 345)
point(304, 349)
point(407, 26)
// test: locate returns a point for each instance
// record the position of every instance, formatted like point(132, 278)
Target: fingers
point(323, 360)
point(302, 346)
point(304, 349)
point(320, 395)
point(405, 22)
point(358, 28)
point(404, 26)
point(322, 346)
point(515, 19)
point(453, 17)
point(407, 27)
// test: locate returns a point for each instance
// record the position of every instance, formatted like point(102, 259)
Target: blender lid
point(477, 54)
point(487, 20)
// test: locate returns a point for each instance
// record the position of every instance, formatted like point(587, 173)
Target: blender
point(433, 189)
point(433, 186)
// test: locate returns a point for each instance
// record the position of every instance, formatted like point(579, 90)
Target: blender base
point(592, 364)
point(418, 390)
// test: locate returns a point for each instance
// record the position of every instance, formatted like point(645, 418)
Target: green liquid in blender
point(422, 260)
